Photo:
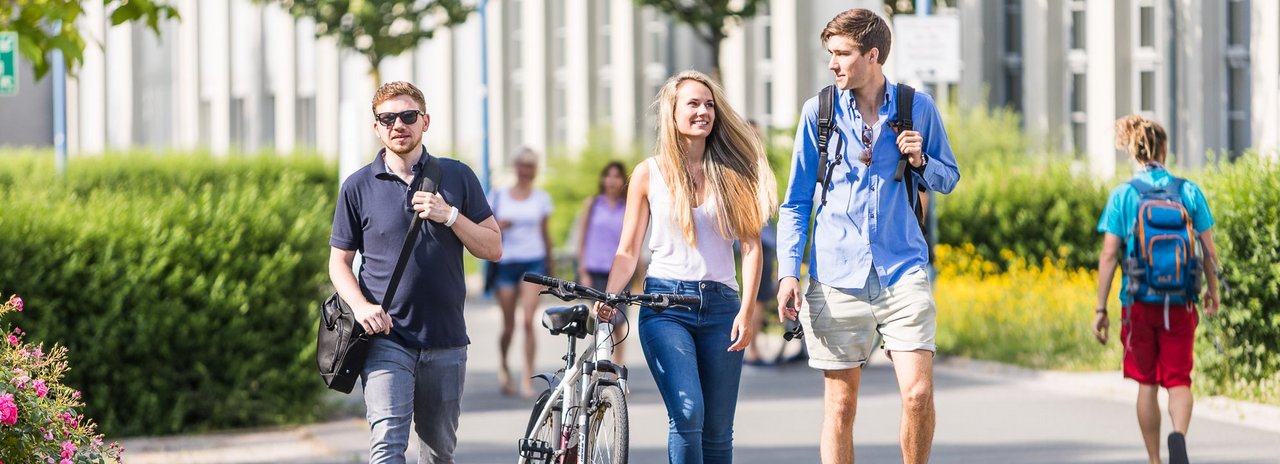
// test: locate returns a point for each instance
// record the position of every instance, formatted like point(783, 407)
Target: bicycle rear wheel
point(608, 432)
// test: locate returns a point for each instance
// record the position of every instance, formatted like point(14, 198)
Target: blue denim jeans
point(404, 385)
point(687, 352)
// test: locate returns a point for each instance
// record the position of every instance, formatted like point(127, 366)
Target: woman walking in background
point(522, 213)
point(1157, 333)
point(598, 236)
point(708, 185)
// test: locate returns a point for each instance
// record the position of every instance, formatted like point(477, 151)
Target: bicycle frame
point(585, 369)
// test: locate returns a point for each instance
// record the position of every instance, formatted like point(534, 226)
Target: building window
point(1147, 92)
point(1078, 32)
point(768, 101)
point(1013, 54)
point(1078, 115)
point(1237, 74)
point(1147, 26)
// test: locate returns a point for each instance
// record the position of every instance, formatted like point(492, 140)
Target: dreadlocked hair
point(1144, 139)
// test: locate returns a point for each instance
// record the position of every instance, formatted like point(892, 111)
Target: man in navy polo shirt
point(415, 369)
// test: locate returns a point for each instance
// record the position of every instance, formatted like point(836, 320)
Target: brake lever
point(558, 293)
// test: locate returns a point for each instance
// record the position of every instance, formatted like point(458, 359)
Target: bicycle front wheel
point(608, 432)
point(543, 437)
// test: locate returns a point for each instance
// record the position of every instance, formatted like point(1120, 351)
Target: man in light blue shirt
point(867, 267)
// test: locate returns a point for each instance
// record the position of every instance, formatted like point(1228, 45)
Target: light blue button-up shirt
point(867, 221)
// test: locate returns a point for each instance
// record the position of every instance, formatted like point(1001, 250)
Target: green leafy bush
point(1244, 197)
point(1035, 211)
point(184, 286)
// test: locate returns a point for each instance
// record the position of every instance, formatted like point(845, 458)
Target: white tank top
point(673, 258)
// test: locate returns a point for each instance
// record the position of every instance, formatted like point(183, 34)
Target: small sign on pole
point(927, 48)
point(8, 63)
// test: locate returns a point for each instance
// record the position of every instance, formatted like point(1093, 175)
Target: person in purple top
point(599, 233)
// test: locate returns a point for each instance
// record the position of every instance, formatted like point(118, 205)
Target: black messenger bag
point(342, 344)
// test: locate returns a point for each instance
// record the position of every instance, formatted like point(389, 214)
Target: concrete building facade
point(239, 76)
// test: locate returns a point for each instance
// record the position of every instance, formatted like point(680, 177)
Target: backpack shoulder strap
point(826, 121)
point(1141, 187)
point(906, 102)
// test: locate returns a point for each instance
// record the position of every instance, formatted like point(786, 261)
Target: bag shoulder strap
point(906, 103)
point(427, 180)
point(826, 122)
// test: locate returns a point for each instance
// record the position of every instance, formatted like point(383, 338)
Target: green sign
point(8, 63)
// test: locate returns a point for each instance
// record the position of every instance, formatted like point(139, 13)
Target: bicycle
point(593, 427)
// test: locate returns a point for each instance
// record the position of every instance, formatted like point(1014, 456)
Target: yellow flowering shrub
point(1031, 314)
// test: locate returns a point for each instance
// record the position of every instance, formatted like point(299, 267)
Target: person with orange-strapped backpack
point(1158, 226)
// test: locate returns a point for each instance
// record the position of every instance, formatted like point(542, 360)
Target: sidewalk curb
point(1111, 385)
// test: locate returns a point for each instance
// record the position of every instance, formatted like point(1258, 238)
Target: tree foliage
point(47, 25)
point(707, 18)
point(379, 29)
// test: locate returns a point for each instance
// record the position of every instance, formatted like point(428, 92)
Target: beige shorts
point(841, 329)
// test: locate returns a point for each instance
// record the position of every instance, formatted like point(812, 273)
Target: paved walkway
point(986, 413)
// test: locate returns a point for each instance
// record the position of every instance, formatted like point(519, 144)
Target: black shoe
point(1178, 448)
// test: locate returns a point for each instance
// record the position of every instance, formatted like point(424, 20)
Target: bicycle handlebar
point(567, 290)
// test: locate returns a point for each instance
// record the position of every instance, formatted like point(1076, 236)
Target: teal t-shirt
point(1122, 210)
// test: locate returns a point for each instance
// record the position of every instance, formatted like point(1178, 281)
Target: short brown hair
point(864, 27)
point(395, 89)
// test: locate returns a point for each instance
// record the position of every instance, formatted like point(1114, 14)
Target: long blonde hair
point(734, 165)
point(1143, 138)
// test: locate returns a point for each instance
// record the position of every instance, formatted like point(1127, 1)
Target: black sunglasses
point(389, 119)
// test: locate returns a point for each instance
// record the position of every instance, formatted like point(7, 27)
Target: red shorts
point(1157, 350)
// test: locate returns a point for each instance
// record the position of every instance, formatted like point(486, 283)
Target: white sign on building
point(926, 48)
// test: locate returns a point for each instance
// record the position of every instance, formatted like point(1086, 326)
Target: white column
point(357, 140)
point(434, 68)
point(186, 91)
point(734, 63)
point(1100, 104)
point(327, 94)
point(534, 74)
point(282, 38)
point(577, 70)
point(623, 67)
point(1264, 57)
point(91, 99)
point(119, 66)
point(786, 63)
point(215, 72)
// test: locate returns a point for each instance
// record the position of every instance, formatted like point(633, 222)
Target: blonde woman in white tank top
point(707, 185)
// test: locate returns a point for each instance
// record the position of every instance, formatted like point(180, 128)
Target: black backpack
point(826, 124)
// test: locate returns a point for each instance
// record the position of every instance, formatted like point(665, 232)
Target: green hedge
point(1035, 211)
point(1244, 197)
point(184, 286)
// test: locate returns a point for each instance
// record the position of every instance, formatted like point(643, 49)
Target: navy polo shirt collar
point(381, 172)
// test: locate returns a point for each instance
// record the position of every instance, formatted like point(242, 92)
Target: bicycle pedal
point(536, 450)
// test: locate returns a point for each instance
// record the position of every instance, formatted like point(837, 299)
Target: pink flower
point(40, 388)
point(76, 394)
point(16, 302)
point(66, 461)
point(13, 340)
point(8, 409)
point(68, 450)
point(37, 353)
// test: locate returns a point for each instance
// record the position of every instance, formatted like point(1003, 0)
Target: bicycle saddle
point(568, 320)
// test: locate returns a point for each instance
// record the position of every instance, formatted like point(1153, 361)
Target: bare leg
point(841, 405)
point(914, 370)
point(506, 301)
point(1180, 403)
point(529, 302)
point(1149, 420)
